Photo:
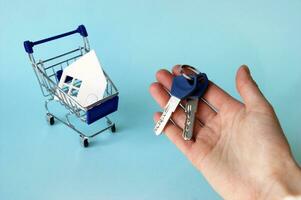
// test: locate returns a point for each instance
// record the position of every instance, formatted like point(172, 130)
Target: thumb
point(248, 89)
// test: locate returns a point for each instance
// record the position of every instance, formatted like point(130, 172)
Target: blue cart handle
point(28, 45)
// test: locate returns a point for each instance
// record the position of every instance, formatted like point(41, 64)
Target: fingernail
point(247, 69)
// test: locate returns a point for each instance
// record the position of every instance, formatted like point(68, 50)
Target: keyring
point(190, 68)
point(194, 70)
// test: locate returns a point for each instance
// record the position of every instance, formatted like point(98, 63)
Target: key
point(191, 106)
point(181, 87)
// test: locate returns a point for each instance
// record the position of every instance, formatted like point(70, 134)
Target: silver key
point(192, 105)
point(168, 110)
point(190, 109)
point(180, 89)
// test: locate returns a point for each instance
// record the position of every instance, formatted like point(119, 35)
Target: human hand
point(241, 150)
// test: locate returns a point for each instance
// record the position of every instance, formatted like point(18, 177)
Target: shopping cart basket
point(49, 72)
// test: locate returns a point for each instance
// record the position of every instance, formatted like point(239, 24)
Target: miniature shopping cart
point(49, 72)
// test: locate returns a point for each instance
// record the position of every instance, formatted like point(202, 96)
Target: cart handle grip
point(28, 45)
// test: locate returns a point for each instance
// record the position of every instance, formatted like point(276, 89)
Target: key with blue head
point(192, 102)
point(180, 89)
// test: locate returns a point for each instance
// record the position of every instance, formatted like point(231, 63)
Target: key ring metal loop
point(190, 68)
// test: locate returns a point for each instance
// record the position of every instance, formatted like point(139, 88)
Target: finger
point(248, 89)
point(204, 114)
point(174, 134)
point(214, 94)
point(164, 77)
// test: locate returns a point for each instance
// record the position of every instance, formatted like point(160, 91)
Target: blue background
point(133, 40)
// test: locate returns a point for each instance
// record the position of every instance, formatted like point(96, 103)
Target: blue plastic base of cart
point(102, 110)
point(99, 111)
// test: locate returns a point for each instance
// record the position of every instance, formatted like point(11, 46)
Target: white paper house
point(84, 80)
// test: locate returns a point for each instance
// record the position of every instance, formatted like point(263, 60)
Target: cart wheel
point(50, 119)
point(113, 128)
point(85, 141)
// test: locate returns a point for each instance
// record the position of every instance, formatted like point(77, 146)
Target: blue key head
point(182, 87)
point(202, 85)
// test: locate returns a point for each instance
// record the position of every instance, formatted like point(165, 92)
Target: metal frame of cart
point(47, 72)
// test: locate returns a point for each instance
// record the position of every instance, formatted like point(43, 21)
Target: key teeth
point(186, 138)
point(157, 132)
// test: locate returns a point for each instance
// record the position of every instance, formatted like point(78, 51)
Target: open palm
point(239, 147)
